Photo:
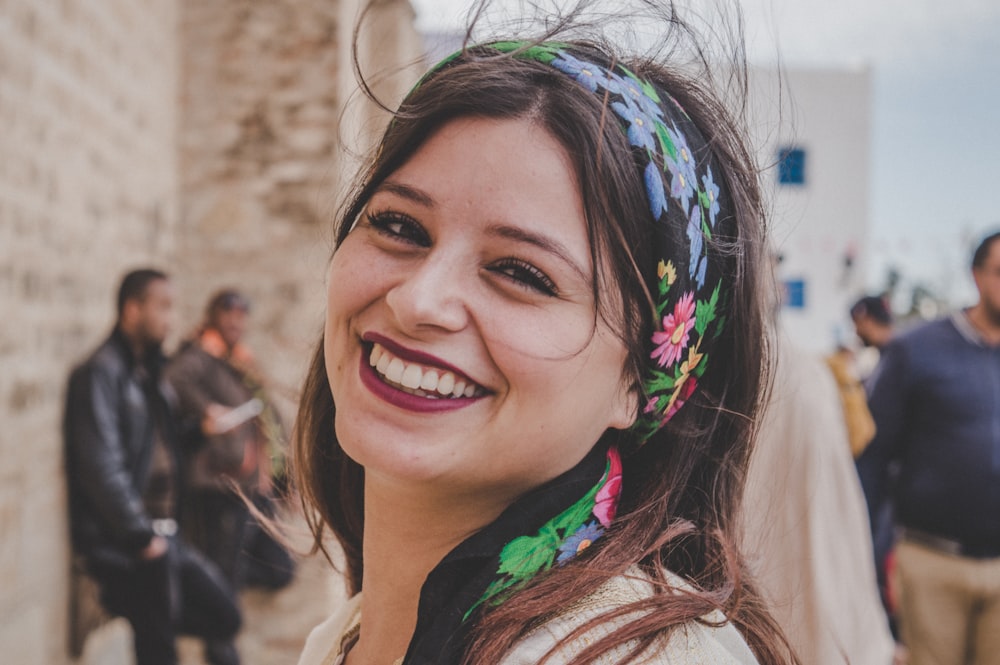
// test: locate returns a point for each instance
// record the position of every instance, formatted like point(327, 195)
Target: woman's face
point(467, 282)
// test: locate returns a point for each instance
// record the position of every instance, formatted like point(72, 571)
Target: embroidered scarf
point(500, 556)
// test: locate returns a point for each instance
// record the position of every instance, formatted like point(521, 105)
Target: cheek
point(353, 281)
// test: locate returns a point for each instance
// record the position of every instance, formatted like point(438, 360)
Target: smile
point(419, 380)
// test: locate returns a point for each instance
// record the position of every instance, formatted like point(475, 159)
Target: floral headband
point(685, 204)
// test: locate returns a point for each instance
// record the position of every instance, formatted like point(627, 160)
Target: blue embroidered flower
point(641, 130)
point(712, 192)
point(696, 269)
point(683, 177)
point(632, 91)
point(654, 189)
point(586, 74)
point(579, 541)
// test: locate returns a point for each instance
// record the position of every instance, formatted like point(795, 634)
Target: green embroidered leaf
point(525, 556)
point(544, 53)
point(576, 515)
point(666, 144)
point(720, 326)
point(705, 229)
point(664, 289)
point(661, 382)
point(705, 311)
point(644, 85)
point(494, 593)
point(700, 369)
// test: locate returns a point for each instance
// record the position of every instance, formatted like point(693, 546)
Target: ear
point(625, 410)
point(977, 277)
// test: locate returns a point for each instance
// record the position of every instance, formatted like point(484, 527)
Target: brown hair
point(681, 490)
point(983, 250)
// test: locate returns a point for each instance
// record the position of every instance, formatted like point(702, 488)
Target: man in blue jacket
point(121, 469)
point(935, 397)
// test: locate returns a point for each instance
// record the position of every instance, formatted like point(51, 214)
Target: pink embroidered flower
point(677, 329)
point(651, 405)
point(607, 496)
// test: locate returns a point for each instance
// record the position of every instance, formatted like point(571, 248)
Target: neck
point(985, 323)
point(136, 344)
point(408, 531)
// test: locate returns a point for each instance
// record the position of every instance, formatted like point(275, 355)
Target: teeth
point(417, 380)
point(429, 380)
point(411, 376)
point(394, 372)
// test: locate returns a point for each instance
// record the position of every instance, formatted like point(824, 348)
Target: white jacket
point(691, 644)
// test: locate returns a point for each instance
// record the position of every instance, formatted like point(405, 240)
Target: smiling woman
point(528, 420)
point(472, 269)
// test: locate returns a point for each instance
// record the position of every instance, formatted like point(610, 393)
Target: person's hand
point(156, 548)
point(212, 412)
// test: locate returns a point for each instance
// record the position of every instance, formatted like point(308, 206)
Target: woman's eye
point(525, 275)
point(399, 227)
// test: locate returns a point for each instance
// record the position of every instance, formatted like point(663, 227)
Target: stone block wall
point(200, 137)
point(88, 189)
point(263, 95)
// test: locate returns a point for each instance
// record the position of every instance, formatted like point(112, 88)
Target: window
point(795, 293)
point(792, 166)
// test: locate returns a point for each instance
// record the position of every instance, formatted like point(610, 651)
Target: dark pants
point(883, 543)
point(222, 527)
point(179, 593)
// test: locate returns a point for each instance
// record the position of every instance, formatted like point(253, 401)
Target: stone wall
point(264, 90)
point(200, 137)
point(88, 189)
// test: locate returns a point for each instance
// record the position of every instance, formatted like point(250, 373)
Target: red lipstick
point(410, 355)
point(402, 399)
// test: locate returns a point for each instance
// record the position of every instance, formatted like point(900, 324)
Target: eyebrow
point(410, 193)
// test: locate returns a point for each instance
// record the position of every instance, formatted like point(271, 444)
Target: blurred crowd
point(872, 510)
point(174, 465)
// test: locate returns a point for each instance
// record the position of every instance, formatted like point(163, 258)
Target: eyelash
point(525, 275)
point(409, 231)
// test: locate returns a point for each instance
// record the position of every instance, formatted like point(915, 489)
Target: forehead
point(159, 289)
point(507, 172)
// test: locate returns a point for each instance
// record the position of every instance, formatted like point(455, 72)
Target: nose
point(431, 295)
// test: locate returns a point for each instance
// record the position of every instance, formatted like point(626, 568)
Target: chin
point(387, 452)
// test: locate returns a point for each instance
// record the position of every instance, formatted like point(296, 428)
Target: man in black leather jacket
point(121, 469)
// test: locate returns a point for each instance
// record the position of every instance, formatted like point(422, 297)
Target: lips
point(418, 379)
point(414, 380)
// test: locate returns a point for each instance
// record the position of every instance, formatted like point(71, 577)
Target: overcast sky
point(936, 116)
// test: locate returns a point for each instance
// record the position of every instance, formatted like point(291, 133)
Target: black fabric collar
point(460, 579)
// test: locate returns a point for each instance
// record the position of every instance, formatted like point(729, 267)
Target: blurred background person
point(874, 326)
point(121, 465)
point(872, 321)
point(804, 526)
point(233, 440)
point(935, 397)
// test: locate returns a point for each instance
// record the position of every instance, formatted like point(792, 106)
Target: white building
point(813, 131)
